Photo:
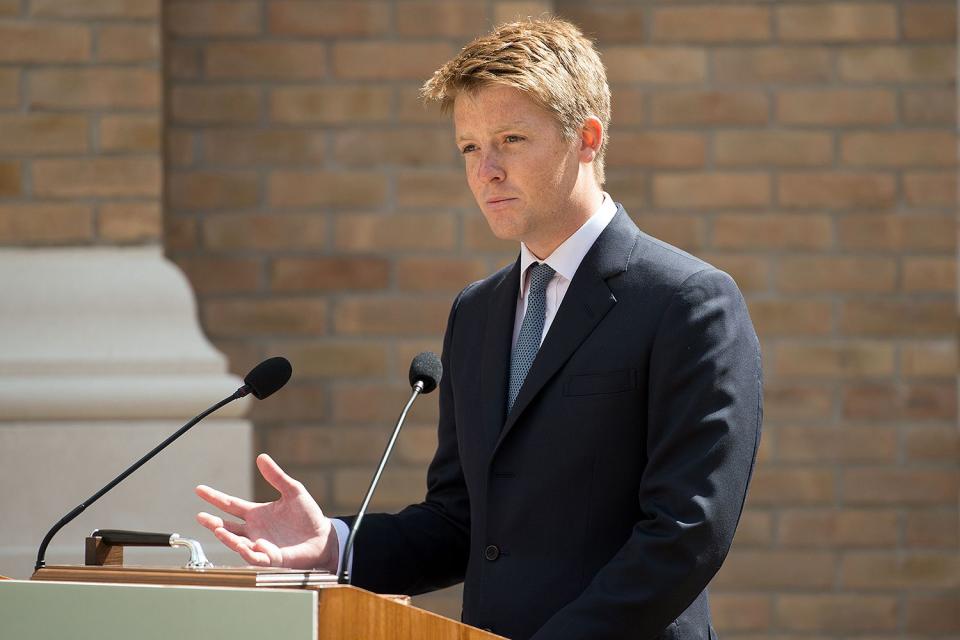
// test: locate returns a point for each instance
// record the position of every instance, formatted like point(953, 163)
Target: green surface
point(62, 610)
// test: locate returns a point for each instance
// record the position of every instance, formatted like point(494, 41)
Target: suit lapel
point(495, 362)
point(587, 301)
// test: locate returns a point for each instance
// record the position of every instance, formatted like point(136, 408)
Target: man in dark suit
point(601, 404)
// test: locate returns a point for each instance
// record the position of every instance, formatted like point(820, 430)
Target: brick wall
point(807, 148)
point(80, 122)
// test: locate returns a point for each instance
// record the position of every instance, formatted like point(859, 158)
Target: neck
point(580, 208)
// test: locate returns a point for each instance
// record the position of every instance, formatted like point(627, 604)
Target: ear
point(591, 138)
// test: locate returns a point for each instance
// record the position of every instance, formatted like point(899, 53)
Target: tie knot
point(540, 276)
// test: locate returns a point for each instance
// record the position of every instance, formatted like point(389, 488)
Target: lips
point(498, 200)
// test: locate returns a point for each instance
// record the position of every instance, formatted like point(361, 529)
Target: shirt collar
point(566, 258)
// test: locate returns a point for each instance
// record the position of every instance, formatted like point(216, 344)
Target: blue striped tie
point(531, 331)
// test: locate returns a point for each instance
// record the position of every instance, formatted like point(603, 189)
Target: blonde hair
point(549, 59)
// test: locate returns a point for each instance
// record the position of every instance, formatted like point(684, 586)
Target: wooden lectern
point(111, 601)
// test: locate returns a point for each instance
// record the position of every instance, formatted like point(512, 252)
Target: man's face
point(521, 170)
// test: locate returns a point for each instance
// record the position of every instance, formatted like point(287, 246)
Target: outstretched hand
point(288, 532)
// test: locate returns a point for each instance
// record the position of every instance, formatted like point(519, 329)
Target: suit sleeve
point(704, 415)
point(425, 546)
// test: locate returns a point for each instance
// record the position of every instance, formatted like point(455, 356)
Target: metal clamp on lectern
point(105, 546)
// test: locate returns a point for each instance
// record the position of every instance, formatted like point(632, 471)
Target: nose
point(490, 168)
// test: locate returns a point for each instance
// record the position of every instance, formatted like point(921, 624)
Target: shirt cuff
point(343, 532)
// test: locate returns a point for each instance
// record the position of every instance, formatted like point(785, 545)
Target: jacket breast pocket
point(593, 384)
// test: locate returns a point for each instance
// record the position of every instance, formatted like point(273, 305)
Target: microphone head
point(426, 368)
point(268, 376)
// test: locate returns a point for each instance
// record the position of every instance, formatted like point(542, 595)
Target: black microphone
point(263, 380)
point(425, 373)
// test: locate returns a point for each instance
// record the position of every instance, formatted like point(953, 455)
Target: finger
point(271, 550)
point(277, 477)
point(231, 504)
point(213, 523)
point(243, 546)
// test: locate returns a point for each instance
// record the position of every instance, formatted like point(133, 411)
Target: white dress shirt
point(565, 260)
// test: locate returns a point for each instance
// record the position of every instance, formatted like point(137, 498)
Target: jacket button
point(491, 553)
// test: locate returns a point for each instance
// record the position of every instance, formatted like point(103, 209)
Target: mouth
point(495, 201)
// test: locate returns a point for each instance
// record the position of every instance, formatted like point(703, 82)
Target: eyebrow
point(510, 125)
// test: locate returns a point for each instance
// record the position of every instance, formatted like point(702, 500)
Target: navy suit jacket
point(605, 501)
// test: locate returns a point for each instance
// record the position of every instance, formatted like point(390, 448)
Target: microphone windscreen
point(268, 376)
point(426, 368)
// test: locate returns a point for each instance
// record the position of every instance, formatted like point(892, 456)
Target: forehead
point(495, 107)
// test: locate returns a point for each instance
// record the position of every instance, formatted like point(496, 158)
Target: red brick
point(786, 400)
point(289, 189)
point(411, 109)
point(666, 150)
point(930, 21)
point(337, 360)
point(264, 232)
point(929, 358)
point(933, 443)
point(874, 571)
point(218, 274)
point(128, 43)
point(477, 238)
point(896, 232)
point(95, 88)
point(209, 190)
point(192, 19)
point(607, 23)
point(899, 149)
point(792, 486)
point(329, 273)
point(97, 177)
point(939, 613)
point(408, 60)
point(423, 189)
point(35, 134)
point(752, 273)
point(769, 570)
point(627, 106)
point(407, 147)
point(455, 19)
point(843, 528)
point(686, 232)
point(837, 106)
point(837, 22)
point(215, 105)
point(295, 403)
point(897, 64)
point(931, 189)
point(660, 65)
point(776, 148)
point(379, 404)
point(709, 107)
point(755, 529)
point(294, 444)
point(836, 190)
point(44, 223)
point(127, 222)
point(96, 8)
point(329, 104)
point(179, 148)
point(892, 486)
point(270, 147)
point(331, 18)
point(930, 274)
point(47, 42)
point(629, 189)
point(791, 317)
point(130, 132)
point(417, 445)
point(401, 486)
point(823, 273)
point(733, 612)
point(764, 65)
point(257, 316)
point(9, 87)
point(915, 401)
point(391, 316)
point(438, 273)
point(932, 528)
point(182, 60)
point(10, 7)
point(263, 60)
point(11, 179)
point(504, 11)
point(762, 231)
point(846, 360)
point(837, 612)
point(179, 233)
point(837, 444)
point(929, 106)
point(892, 317)
point(711, 24)
point(711, 190)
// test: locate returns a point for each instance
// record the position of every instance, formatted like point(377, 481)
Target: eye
point(467, 148)
point(513, 138)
